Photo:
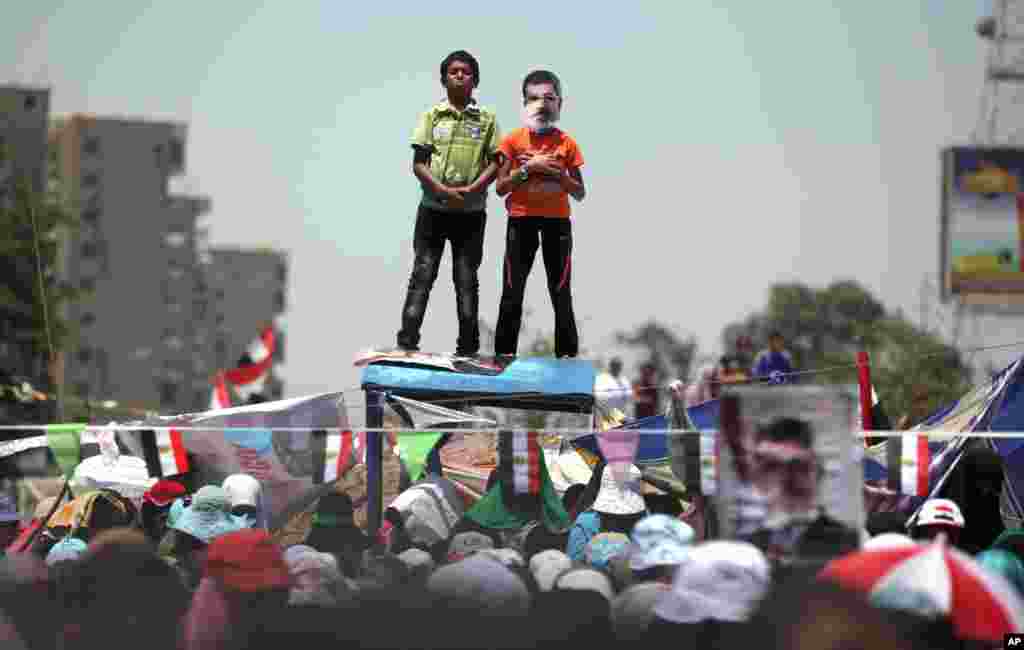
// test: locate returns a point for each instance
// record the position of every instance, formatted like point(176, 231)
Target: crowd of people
point(202, 571)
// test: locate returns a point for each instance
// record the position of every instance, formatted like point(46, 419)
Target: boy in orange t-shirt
point(540, 171)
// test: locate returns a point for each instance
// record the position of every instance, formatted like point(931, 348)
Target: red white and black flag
point(519, 458)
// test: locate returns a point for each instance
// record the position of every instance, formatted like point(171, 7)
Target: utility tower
point(1001, 114)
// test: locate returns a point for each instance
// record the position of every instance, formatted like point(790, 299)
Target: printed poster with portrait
point(789, 481)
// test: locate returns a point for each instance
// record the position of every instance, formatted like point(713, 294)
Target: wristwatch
point(522, 174)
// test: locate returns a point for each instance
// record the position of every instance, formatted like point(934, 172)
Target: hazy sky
point(730, 144)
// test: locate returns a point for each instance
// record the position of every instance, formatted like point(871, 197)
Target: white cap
point(940, 512)
point(242, 489)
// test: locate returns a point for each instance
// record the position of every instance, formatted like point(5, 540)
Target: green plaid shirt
point(461, 145)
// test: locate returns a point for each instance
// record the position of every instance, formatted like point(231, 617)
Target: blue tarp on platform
point(528, 383)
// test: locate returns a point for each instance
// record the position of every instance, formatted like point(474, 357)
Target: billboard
point(982, 240)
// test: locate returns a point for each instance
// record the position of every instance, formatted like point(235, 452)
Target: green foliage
point(32, 228)
point(671, 353)
point(825, 328)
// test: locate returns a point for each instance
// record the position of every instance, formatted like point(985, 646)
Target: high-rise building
point(24, 121)
point(248, 287)
point(135, 256)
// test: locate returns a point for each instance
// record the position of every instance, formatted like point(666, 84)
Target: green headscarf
point(492, 513)
point(1004, 563)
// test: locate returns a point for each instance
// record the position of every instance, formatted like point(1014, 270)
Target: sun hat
point(507, 556)
point(415, 558)
point(586, 579)
point(601, 548)
point(465, 544)
point(69, 548)
point(633, 610)
point(659, 540)
point(613, 499)
point(548, 565)
point(293, 553)
point(208, 517)
point(481, 583)
point(247, 561)
point(719, 580)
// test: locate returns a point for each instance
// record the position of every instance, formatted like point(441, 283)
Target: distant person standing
point(774, 364)
point(613, 387)
point(646, 395)
point(455, 159)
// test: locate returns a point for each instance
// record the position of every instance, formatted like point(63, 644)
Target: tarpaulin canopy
point(533, 383)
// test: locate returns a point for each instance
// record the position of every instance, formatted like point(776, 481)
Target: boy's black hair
point(464, 57)
point(542, 77)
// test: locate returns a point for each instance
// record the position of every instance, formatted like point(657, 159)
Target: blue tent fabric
point(651, 450)
point(532, 383)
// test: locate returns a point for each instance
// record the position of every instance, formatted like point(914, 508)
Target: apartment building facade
point(135, 258)
point(247, 287)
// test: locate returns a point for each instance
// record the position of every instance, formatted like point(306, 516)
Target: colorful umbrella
point(934, 580)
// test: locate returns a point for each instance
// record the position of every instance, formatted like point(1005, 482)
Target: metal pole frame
point(374, 461)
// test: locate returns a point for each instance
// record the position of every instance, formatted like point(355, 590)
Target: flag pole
point(374, 461)
point(864, 379)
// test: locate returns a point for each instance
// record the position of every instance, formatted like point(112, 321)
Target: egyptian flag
point(519, 458)
point(220, 397)
point(700, 460)
point(336, 453)
point(523, 491)
point(909, 460)
point(261, 353)
point(164, 452)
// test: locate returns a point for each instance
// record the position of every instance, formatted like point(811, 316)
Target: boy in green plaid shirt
point(455, 159)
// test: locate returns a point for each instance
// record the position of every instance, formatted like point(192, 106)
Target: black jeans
point(554, 236)
point(465, 231)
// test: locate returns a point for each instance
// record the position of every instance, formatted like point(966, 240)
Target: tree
point(825, 328)
point(671, 352)
point(33, 225)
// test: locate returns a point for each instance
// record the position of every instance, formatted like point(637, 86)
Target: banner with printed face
point(789, 476)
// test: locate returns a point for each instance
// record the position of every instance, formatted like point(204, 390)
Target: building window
point(87, 284)
point(91, 146)
point(279, 301)
point(175, 239)
point(89, 249)
point(82, 389)
point(30, 102)
point(90, 179)
point(91, 216)
point(176, 153)
point(282, 274)
point(88, 319)
point(168, 393)
point(84, 354)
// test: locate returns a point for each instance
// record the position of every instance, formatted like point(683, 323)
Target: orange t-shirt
point(540, 196)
